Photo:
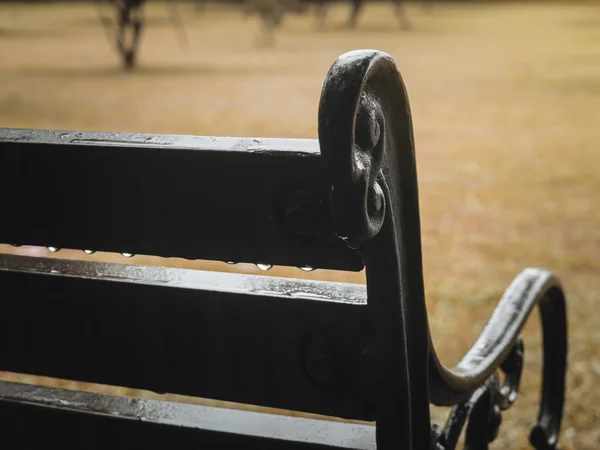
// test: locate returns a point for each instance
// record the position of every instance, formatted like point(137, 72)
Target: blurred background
point(505, 98)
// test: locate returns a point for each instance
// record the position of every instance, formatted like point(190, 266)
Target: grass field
point(506, 105)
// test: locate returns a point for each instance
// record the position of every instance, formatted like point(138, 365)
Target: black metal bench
point(348, 351)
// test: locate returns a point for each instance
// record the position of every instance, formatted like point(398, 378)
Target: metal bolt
point(301, 212)
point(318, 366)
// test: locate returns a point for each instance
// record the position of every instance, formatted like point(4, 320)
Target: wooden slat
point(37, 417)
point(208, 198)
point(223, 336)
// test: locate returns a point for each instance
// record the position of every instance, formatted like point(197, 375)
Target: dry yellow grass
point(506, 104)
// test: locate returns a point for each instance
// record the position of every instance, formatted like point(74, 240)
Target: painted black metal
point(351, 199)
point(41, 416)
point(211, 198)
point(206, 334)
point(366, 137)
point(485, 407)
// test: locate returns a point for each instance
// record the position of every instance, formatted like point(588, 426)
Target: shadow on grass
point(36, 33)
point(91, 22)
point(585, 22)
point(141, 70)
point(414, 27)
point(579, 86)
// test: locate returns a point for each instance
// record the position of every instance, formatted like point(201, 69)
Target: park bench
point(359, 352)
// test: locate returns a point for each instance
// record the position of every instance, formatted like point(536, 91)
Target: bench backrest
point(223, 336)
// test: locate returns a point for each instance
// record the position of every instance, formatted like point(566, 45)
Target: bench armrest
point(366, 138)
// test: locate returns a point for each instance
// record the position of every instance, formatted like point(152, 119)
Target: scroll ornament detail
point(483, 410)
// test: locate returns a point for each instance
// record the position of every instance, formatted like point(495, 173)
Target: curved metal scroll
point(366, 138)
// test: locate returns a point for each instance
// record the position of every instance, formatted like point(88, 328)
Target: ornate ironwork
point(366, 137)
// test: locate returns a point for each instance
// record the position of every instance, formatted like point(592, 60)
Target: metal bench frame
point(358, 352)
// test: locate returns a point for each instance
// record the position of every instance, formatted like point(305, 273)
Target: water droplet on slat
point(53, 249)
point(127, 255)
point(230, 262)
point(89, 252)
point(264, 266)
point(307, 268)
